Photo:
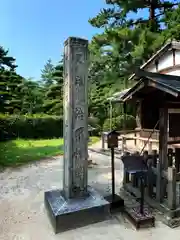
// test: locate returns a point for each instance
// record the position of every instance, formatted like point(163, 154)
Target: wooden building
point(159, 97)
point(156, 93)
point(165, 61)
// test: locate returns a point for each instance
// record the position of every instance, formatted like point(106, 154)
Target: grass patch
point(20, 151)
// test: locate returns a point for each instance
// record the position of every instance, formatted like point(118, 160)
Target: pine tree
point(47, 74)
point(31, 97)
point(14, 84)
point(7, 67)
point(5, 60)
point(117, 13)
point(123, 46)
point(10, 85)
point(172, 23)
point(132, 41)
point(54, 96)
point(3, 89)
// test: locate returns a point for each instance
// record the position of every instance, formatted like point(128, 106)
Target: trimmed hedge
point(117, 123)
point(30, 127)
point(36, 127)
point(46, 126)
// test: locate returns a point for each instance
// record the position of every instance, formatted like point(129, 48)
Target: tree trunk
point(152, 16)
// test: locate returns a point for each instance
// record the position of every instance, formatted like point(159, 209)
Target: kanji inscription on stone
point(75, 117)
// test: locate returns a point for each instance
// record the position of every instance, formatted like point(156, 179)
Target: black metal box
point(112, 139)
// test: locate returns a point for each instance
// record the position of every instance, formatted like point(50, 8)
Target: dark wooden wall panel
point(174, 125)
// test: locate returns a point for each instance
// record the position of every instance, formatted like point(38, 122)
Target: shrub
point(117, 123)
point(30, 126)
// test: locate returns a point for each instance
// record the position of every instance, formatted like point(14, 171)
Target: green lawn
point(20, 151)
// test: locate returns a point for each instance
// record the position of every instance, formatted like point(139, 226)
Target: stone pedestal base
point(139, 219)
point(68, 214)
point(116, 204)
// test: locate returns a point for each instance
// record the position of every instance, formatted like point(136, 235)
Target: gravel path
point(22, 213)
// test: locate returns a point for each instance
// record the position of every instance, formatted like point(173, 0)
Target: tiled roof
point(171, 82)
point(166, 83)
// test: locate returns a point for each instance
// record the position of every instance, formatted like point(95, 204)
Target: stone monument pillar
point(75, 117)
point(77, 204)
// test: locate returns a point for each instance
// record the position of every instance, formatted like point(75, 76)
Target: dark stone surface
point(116, 204)
point(68, 214)
point(139, 219)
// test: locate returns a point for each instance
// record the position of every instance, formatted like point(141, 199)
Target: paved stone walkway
point(22, 213)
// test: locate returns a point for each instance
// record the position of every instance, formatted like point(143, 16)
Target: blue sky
point(34, 30)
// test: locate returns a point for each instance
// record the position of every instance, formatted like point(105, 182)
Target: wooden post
point(112, 173)
point(123, 145)
point(126, 177)
point(154, 158)
point(172, 188)
point(177, 158)
point(170, 157)
point(150, 147)
point(134, 178)
point(150, 177)
point(162, 163)
point(125, 174)
point(163, 127)
point(135, 140)
point(103, 139)
point(158, 181)
point(124, 112)
point(111, 110)
point(154, 164)
point(124, 128)
point(138, 115)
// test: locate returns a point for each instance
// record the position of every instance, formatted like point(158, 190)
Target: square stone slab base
point(116, 203)
point(77, 212)
point(139, 219)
